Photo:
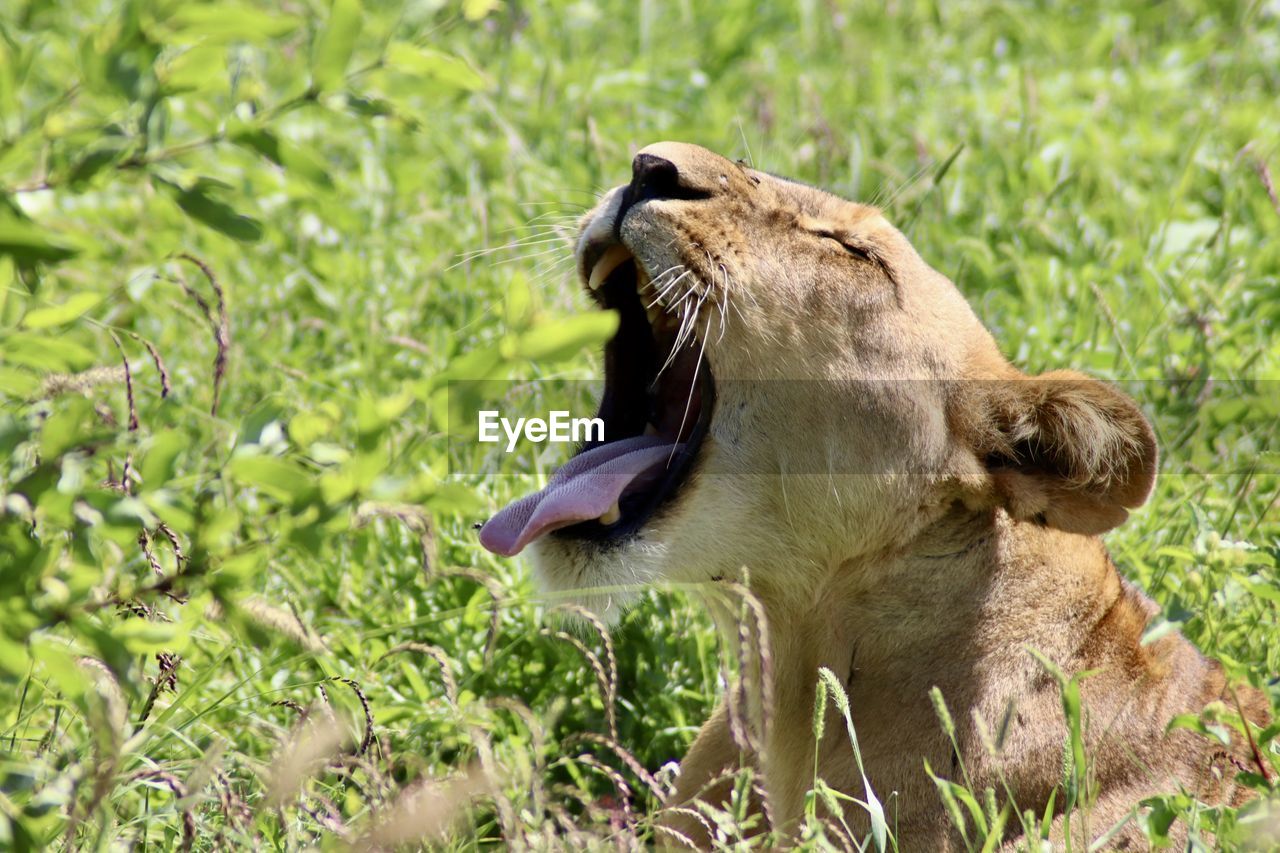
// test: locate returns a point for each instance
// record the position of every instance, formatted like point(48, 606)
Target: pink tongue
point(583, 489)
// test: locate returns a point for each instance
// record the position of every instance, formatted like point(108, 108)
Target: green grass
point(1095, 180)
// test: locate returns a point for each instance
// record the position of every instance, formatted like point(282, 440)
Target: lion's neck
point(962, 601)
point(950, 587)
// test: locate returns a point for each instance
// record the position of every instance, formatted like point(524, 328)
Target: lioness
point(792, 390)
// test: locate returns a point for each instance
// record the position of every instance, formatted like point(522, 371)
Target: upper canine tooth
point(609, 261)
point(611, 515)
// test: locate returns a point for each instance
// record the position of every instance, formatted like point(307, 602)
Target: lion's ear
point(1066, 451)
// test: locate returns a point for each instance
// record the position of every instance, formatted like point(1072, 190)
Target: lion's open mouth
point(656, 408)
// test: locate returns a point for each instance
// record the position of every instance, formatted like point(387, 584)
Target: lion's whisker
point(527, 257)
point(667, 288)
point(693, 387)
point(688, 323)
point(510, 247)
point(514, 244)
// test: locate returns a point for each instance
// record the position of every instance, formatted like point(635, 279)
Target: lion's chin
point(606, 581)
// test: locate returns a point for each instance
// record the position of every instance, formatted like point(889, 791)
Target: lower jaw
point(605, 581)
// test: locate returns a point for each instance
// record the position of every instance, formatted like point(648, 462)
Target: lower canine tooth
point(609, 261)
point(611, 515)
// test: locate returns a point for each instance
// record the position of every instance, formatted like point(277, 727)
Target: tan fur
point(923, 517)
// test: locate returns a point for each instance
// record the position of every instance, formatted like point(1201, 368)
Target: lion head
point(791, 389)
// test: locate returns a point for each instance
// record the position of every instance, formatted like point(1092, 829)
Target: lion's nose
point(657, 177)
point(654, 177)
point(672, 170)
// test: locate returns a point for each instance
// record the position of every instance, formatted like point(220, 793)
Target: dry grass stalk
point(57, 384)
point(416, 520)
point(438, 655)
point(620, 785)
point(696, 815)
point(755, 666)
point(425, 811)
point(846, 841)
point(1264, 175)
point(206, 770)
point(315, 741)
point(710, 790)
point(234, 807)
point(221, 325)
point(1264, 768)
point(283, 622)
point(107, 719)
point(409, 343)
point(573, 835)
point(537, 747)
point(537, 732)
point(180, 793)
point(494, 588)
point(484, 750)
point(126, 474)
point(104, 413)
point(178, 553)
point(680, 838)
point(128, 384)
point(602, 676)
point(729, 604)
point(165, 583)
point(165, 387)
point(114, 705)
point(610, 686)
point(166, 679)
point(367, 740)
point(328, 817)
point(346, 767)
point(144, 542)
point(296, 707)
point(633, 764)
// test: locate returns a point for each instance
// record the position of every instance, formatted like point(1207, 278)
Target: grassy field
point(241, 599)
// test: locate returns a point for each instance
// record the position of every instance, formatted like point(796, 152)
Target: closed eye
point(850, 248)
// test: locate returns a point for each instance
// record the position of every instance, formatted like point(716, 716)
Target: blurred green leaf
point(61, 667)
point(1196, 723)
point(199, 203)
point(71, 425)
point(57, 315)
point(195, 69)
point(435, 66)
point(295, 159)
point(18, 383)
point(563, 338)
point(46, 353)
point(226, 21)
point(158, 463)
point(334, 45)
point(281, 479)
point(454, 499)
point(141, 636)
point(308, 427)
point(28, 242)
point(14, 660)
point(1266, 591)
point(478, 10)
point(106, 154)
